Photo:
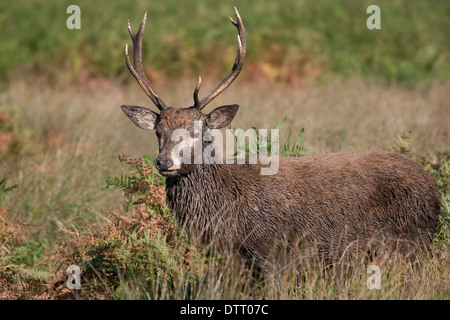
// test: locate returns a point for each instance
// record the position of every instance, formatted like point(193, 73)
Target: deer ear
point(221, 116)
point(142, 117)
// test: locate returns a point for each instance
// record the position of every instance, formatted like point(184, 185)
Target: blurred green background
point(287, 39)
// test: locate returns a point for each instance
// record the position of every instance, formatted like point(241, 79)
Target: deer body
point(337, 202)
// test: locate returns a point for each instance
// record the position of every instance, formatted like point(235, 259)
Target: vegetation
point(66, 200)
point(139, 252)
point(287, 39)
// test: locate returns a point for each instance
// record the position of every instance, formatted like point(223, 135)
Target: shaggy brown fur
point(337, 202)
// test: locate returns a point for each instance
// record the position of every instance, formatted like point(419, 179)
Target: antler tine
point(137, 68)
point(237, 67)
point(197, 88)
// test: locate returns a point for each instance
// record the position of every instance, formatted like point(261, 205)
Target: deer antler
point(237, 67)
point(137, 69)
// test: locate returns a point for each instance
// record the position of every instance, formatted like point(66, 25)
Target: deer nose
point(163, 163)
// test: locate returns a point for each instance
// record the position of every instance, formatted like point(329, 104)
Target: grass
point(130, 248)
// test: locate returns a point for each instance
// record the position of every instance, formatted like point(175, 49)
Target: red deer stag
point(337, 203)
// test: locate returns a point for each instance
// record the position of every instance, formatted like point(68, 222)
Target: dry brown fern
point(142, 189)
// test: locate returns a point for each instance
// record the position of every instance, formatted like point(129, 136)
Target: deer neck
point(199, 199)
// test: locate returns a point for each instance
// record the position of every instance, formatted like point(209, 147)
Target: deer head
point(169, 120)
